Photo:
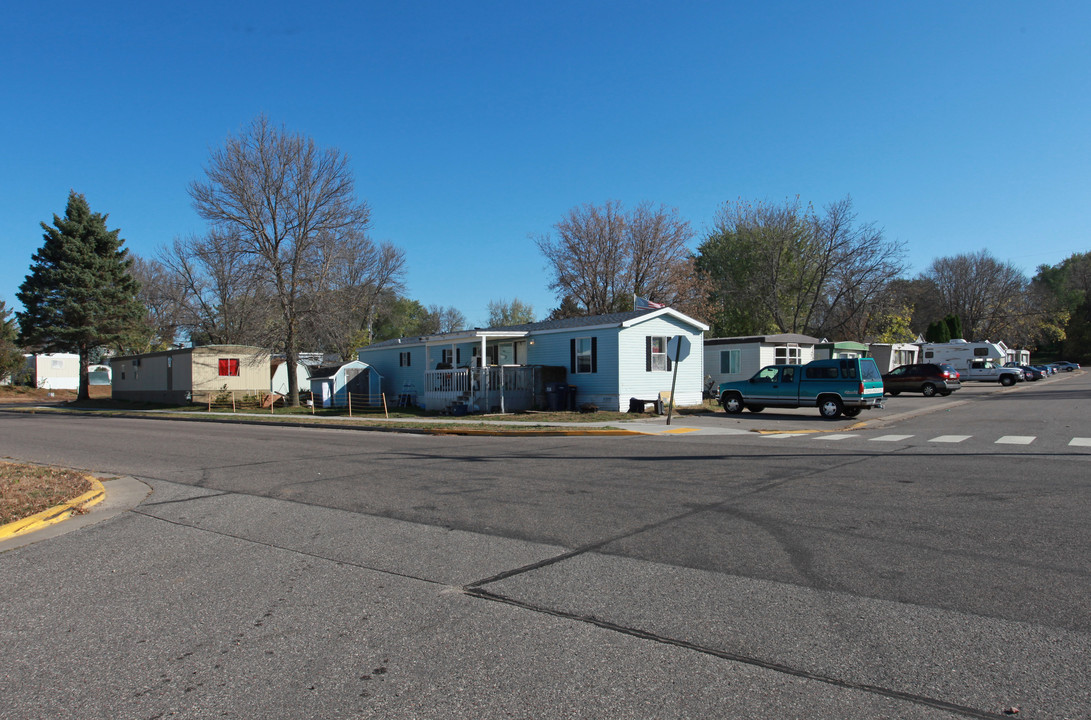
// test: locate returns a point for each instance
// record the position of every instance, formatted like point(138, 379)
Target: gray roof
point(776, 338)
point(562, 324)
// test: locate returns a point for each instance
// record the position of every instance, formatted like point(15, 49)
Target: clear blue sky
point(472, 126)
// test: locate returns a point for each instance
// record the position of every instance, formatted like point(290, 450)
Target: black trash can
point(570, 398)
point(553, 396)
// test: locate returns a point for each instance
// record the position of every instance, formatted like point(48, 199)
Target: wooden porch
point(504, 389)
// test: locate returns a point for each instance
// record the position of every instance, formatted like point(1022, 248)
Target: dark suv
point(928, 378)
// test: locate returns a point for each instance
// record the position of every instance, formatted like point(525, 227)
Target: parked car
point(1065, 366)
point(839, 386)
point(927, 378)
point(1031, 373)
point(1045, 369)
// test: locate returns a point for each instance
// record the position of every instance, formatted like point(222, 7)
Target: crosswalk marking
point(951, 439)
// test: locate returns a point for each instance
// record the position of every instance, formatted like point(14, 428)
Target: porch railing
point(481, 390)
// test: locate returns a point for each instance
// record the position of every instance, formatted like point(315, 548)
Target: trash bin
point(570, 397)
point(553, 396)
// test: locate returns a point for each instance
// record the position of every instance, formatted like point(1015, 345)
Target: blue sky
point(472, 127)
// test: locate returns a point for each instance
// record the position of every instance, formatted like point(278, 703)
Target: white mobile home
point(891, 355)
point(54, 371)
point(738, 358)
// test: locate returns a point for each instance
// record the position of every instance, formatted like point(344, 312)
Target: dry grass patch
point(29, 489)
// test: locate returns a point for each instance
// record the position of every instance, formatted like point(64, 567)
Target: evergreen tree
point(938, 332)
point(80, 293)
point(11, 357)
point(954, 326)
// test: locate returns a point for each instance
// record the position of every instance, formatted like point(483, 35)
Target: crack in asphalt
point(740, 658)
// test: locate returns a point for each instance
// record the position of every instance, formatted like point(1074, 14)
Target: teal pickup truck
point(841, 386)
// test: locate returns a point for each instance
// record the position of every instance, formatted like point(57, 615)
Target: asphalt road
point(921, 564)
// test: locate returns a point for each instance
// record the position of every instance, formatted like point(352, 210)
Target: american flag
point(640, 303)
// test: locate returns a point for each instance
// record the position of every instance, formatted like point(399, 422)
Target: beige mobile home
point(174, 376)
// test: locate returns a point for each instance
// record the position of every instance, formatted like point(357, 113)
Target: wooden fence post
point(232, 401)
point(386, 414)
point(349, 396)
point(210, 402)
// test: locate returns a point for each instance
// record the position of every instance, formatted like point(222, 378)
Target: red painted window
point(229, 366)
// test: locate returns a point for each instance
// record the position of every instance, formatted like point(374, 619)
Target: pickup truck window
point(825, 372)
point(768, 375)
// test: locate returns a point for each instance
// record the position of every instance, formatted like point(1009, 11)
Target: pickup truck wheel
point(893, 393)
point(755, 408)
point(732, 403)
point(1007, 380)
point(830, 407)
point(928, 389)
point(852, 412)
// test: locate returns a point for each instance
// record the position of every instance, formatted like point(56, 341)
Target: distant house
point(54, 371)
point(890, 355)
point(843, 349)
point(179, 376)
point(737, 358)
point(353, 382)
point(603, 360)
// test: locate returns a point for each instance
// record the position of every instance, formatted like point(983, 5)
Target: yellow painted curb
point(56, 513)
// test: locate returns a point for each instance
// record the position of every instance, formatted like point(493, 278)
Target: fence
point(251, 401)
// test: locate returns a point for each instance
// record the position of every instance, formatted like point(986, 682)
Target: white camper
point(961, 353)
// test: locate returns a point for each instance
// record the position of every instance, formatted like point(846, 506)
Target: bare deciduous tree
point(602, 256)
point(222, 296)
point(984, 292)
point(503, 313)
point(785, 268)
point(289, 204)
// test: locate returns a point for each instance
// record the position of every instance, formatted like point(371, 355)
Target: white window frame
point(787, 355)
point(659, 357)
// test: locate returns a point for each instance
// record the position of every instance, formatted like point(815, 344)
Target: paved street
point(930, 561)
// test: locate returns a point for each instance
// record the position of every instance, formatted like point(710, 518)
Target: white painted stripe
point(785, 435)
point(1081, 442)
point(838, 436)
point(1016, 440)
point(949, 438)
point(890, 438)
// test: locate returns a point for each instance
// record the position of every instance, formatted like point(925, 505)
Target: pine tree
point(80, 293)
point(11, 357)
point(938, 332)
point(954, 326)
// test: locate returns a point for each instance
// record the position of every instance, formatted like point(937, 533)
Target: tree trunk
point(84, 392)
point(291, 358)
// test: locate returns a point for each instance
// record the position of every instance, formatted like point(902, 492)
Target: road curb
point(546, 432)
point(55, 514)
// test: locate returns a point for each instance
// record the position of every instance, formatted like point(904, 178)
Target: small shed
point(337, 385)
point(279, 381)
point(98, 375)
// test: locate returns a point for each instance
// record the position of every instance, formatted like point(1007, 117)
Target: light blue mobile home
point(603, 360)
